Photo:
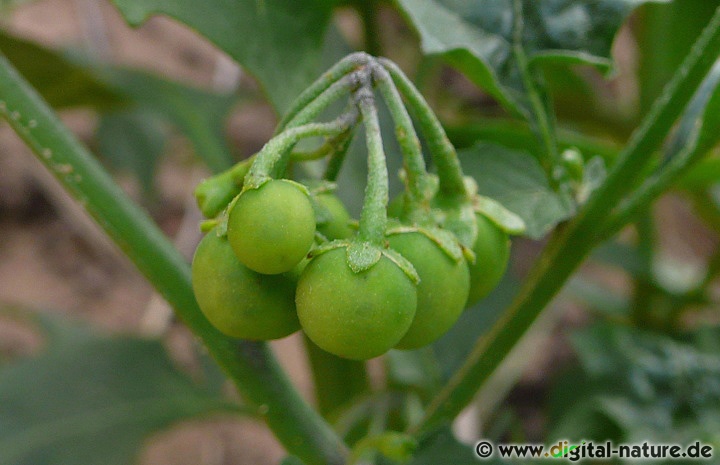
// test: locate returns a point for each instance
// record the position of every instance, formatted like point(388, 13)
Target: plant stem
point(570, 244)
point(443, 153)
point(337, 71)
point(273, 156)
point(373, 218)
point(540, 119)
point(417, 177)
point(249, 364)
point(314, 108)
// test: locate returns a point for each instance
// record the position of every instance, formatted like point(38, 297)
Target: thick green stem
point(373, 218)
point(569, 245)
point(417, 177)
point(249, 364)
point(340, 69)
point(540, 119)
point(442, 151)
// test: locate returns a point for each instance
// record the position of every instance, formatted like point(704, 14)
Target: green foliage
point(516, 180)
point(635, 386)
point(94, 399)
point(61, 82)
point(279, 41)
point(132, 141)
point(200, 115)
point(478, 37)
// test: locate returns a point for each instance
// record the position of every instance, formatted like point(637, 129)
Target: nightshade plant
point(281, 253)
point(360, 296)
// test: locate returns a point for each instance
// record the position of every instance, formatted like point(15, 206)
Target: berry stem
point(340, 69)
point(413, 161)
point(443, 153)
point(373, 218)
point(314, 108)
point(273, 157)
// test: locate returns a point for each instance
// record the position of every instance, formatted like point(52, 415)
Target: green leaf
point(454, 346)
point(517, 135)
point(199, 114)
point(413, 369)
point(62, 83)
point(279, 41)
point(476, 37)
point(501, 216)
point(93, 399)
point(642, 385)
point(516, 180)
point(132, 141)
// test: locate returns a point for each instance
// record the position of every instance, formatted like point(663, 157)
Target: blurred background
point(628, 351)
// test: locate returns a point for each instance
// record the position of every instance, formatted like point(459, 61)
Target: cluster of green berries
point(282, 256)
point(261, 280)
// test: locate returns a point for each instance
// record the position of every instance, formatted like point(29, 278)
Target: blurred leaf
point(93, 399)
point(413, 369)
point(61, 82)
point(199, 114)
point(650, 386)
point(516, 135)
point(279, 41)
point(477, 37)
point(132, 141)
point(455, 345)
point(516, 180)
point(600, 298)
point(623, 256)
point(292, 460)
